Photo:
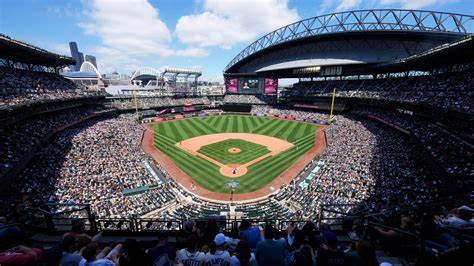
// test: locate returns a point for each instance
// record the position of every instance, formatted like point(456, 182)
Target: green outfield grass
point(206, 174)
point(248, 151)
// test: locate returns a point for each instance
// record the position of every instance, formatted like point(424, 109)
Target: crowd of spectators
point(127, 102)
point(19, 87)
point(96, 160)
point(250, 99)
point(287, 111)
point(422, 239)
point(19, 138)
point(365, 163)
point(91, 163)
point(452, 152)
point(449, 91)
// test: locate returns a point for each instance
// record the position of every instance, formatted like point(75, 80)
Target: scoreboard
point(250, 86)
point(253, 85)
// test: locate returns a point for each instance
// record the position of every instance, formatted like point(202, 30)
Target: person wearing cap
point(329, 253)
point(218, 256)
point(162, 251)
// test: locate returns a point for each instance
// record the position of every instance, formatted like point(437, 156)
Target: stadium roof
point(398, 24)
point(17, 51)
point(457, 52)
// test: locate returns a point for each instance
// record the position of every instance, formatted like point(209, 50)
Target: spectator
point(218, 256)
point(132, 254)
point(190, 255)
point(243, 255)
point(459, 218)
point(20, 255)
point(329, 254)
point(70, 255)
point(162, 253)
point(250, 233)
point(105, 257)
point(366, 254)
point(269, 251)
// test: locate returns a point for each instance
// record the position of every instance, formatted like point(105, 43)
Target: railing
point(345, 216)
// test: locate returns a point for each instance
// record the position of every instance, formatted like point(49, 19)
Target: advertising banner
point(178, 117)
point(189, 108)
point(163, 111)
point(231, 85)
point(271, 86)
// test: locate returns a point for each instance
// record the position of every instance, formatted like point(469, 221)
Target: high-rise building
point(81, 60)
point(91, 59)
point(76, 55)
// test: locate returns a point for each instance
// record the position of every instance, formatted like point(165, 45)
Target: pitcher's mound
point(233, 170)
point(233, 150)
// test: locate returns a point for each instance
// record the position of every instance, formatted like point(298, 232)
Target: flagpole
point(136, 104)
point(332, 105)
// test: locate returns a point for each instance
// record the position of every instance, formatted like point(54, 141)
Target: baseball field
point(249, 149)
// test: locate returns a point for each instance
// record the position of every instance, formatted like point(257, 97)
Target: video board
point(251, 85)
point(271, 86)
point(231, 85)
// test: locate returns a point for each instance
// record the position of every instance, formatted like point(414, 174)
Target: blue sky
point(201, 34)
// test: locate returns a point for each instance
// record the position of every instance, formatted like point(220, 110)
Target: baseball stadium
point(364, 158)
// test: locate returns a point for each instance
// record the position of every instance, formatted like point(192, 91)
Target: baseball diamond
point(256, 165)
point(223, 151)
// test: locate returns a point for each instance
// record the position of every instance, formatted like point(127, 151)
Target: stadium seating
point(449, 91)
point(250, 99)
point(19, 87)
point(392, 174)
point(127, 102)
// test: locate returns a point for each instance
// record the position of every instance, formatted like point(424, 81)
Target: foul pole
point(136, 104)
point(332, 105)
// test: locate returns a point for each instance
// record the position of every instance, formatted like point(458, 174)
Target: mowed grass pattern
point(248, 151)
point(207, 174)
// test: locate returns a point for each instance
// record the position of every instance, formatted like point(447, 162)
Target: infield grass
point(248, 151)
point(206, 174)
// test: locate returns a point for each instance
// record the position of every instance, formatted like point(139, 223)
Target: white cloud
point(347, 5)
point(343, 5)
point(225, 23)
point(415, 4)
point(127, 29)
point(192, 52)
point(324, 6)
